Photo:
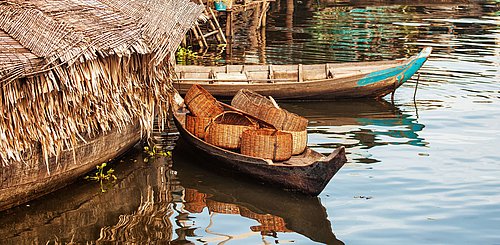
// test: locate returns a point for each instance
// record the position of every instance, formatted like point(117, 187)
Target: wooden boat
point(303, 82)
point(25, 181)
point(307, 173)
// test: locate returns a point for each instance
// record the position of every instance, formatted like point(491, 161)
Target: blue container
point(220, 6)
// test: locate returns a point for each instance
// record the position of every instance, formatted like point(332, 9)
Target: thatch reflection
point(149, 223)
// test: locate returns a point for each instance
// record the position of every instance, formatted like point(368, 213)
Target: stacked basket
point(203, 106)
point(260, 129)
point(226, 129)
point(222, 208)
point(267, 143)
point(194, 201)
point(283, 120)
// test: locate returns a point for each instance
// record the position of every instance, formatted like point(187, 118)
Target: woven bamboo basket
point(194, 207)
point(270, 223)
point(263, 108)
point(222, 208)
point(192, 195)
point(267, 143)
point(194, 201)
point(201, 103)
point(197, 125)
point(299, 141)
point(225, 130)
point(245, 212)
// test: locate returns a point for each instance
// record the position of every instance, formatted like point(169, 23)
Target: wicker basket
point(299, 141)
point(263, 108)
point(225, 129)
point(197, 125)
point(201, 103)
point(194, 201)
point(267, 143)
point(222, 208)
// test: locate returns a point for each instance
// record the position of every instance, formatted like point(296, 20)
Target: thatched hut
point(73, 72)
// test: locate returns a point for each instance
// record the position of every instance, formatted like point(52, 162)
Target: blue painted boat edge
point(402, 73)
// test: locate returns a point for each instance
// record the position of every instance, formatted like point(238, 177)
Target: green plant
point(155, 151)
point(185, 54)
point(101, 176)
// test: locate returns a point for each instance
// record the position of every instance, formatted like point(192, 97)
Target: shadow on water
point(277, 211)
point(152, 202)
point(358, 124)
point(77, 212)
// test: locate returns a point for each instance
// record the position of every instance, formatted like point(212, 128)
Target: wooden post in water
point(229, 30)
point(263, 18)
point(289, 21)
point(229, 21)
point(416, 86)
point(263, 45)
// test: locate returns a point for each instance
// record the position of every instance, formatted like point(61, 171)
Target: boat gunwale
point(405, 62)
point(374, 83)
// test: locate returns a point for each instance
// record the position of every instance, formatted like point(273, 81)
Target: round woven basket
point(222, 208)
point(201, 103)
point(299, 141)
point(194, 201)
point(197, 125)
point(267, 143)
point(225, 129)
point(263, 108)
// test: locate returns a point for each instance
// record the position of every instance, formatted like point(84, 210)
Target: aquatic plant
point(155, 151)
point(185, 55)
point(102, 176)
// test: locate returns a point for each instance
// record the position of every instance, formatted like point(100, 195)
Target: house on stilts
point(81, 82)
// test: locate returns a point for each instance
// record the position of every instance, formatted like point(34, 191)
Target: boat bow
point(398, 74)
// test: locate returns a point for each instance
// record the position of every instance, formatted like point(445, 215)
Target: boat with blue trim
point(304, 82)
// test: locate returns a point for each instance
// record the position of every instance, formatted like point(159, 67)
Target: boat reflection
point(276, 211)
point(358, 125)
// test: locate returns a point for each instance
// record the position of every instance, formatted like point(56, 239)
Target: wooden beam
point(300, 73)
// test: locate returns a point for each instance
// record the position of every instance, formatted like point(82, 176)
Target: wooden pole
point(229, 23)
point(416, 86)
point(195, 32)
point(289, 21)
point(263, 18)
point(263, 45)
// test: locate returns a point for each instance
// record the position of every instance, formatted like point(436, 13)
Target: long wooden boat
point(25, 181)
point(303, 82)
point(307, 173)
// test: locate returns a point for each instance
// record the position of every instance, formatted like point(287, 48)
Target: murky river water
point(423, 171)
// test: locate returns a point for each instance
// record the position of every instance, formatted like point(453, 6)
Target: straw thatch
point(71, 69)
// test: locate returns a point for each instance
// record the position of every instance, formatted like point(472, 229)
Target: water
point(419, 172)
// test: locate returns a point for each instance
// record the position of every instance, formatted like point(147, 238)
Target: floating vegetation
point(155, 151)
point(103, 177)
point(185, 55)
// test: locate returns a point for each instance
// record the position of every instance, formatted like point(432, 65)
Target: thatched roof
point(70, 69)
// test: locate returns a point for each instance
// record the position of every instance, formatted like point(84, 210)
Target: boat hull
point(25, 181)
point(349, 80)
point(327, 89)
point(309, 179)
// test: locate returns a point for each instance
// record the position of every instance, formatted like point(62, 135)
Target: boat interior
point(307, 157)
point(278, 73)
